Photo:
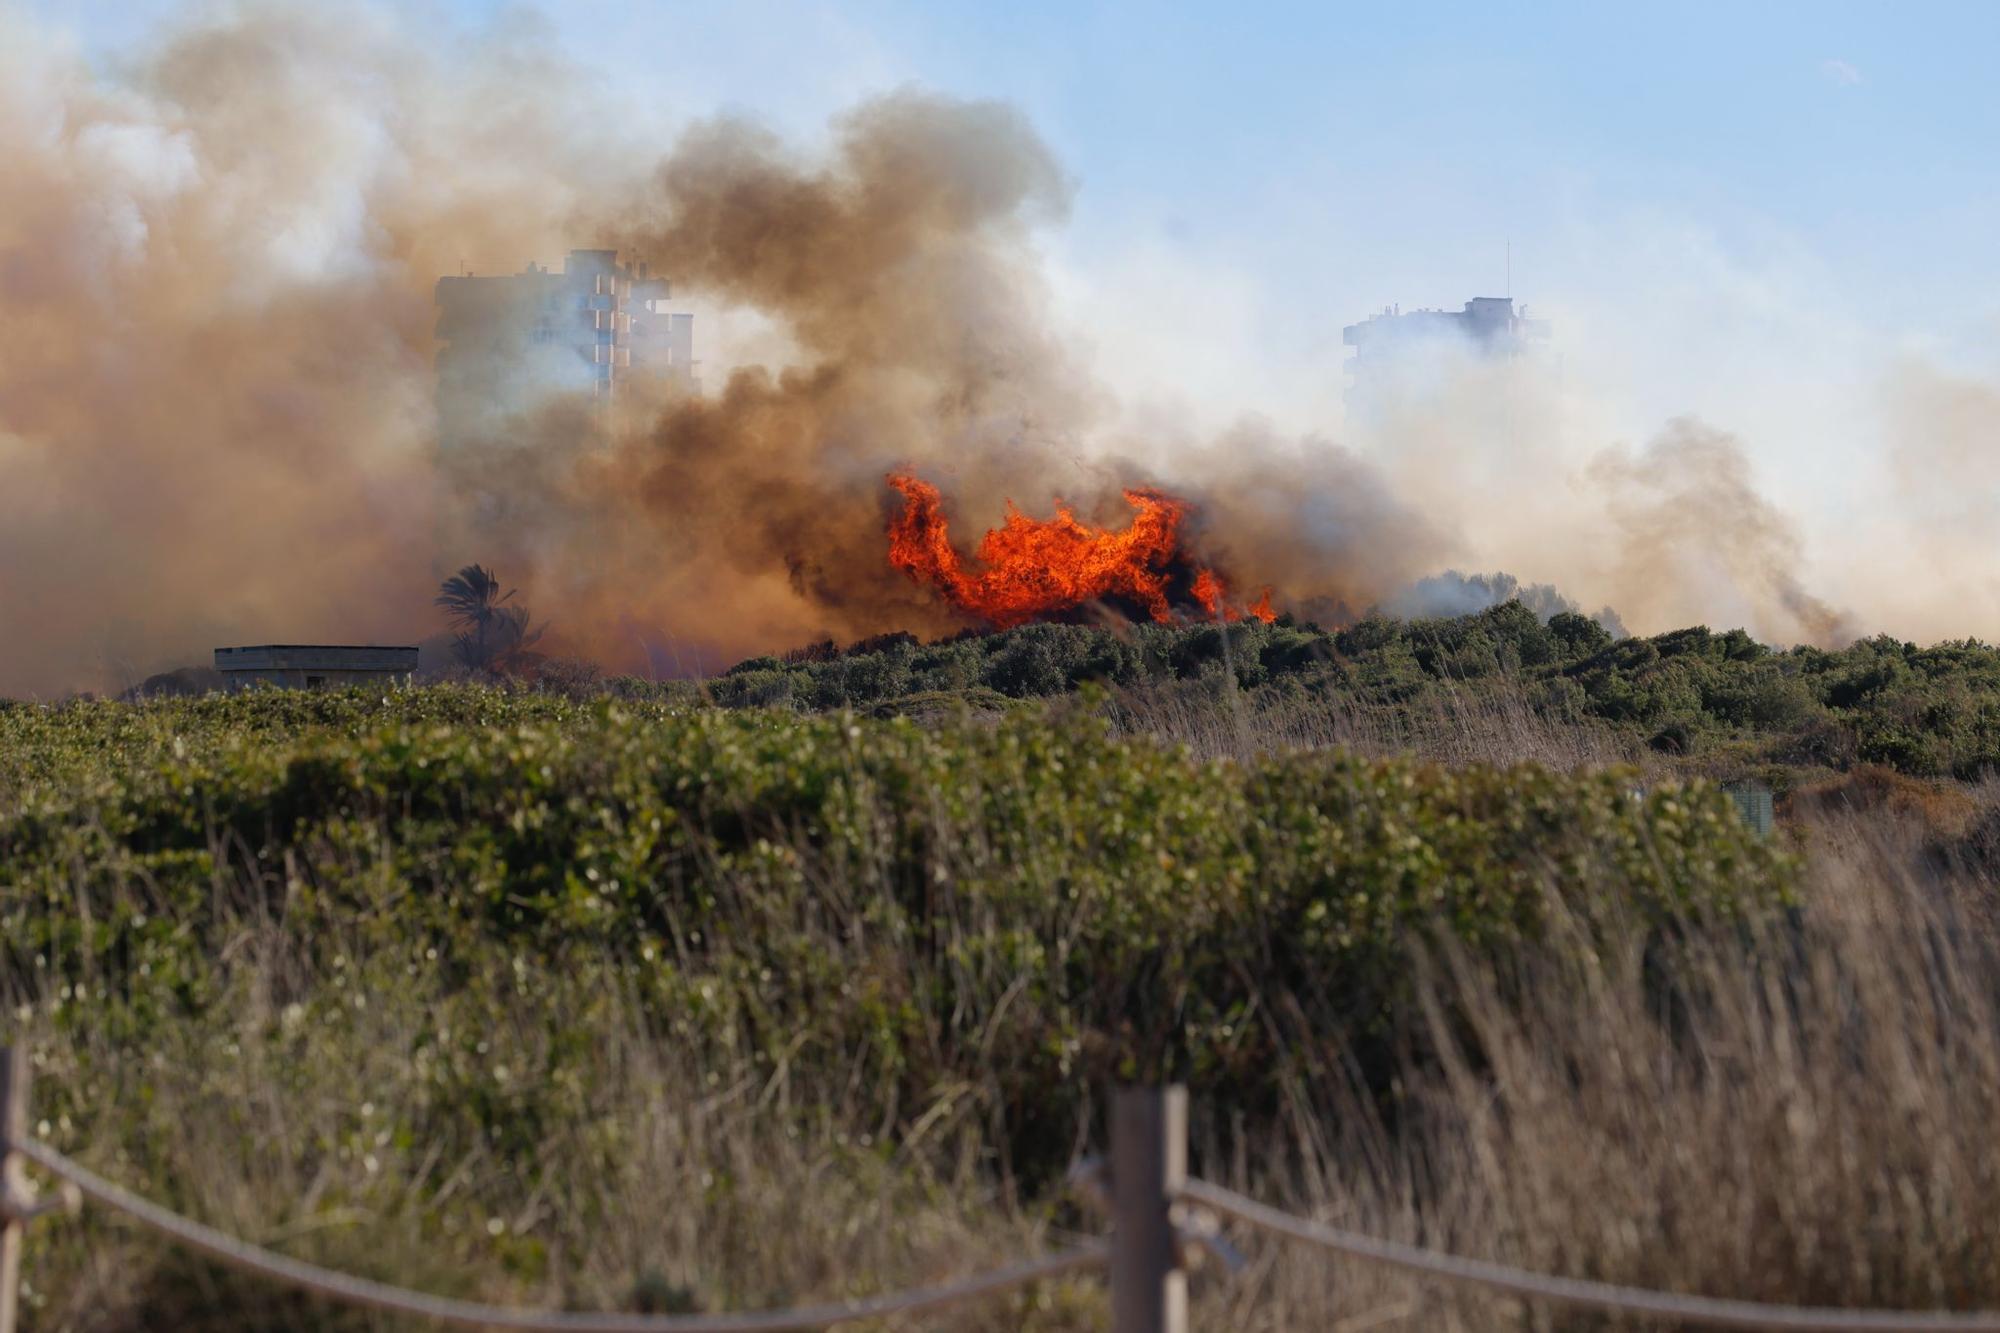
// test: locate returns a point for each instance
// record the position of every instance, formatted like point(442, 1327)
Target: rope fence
point(1158, 1217)
point(1707, 1311)
point(349, 1290)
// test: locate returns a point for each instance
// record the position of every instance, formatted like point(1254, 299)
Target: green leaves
point(1929, 711)
point(863, 898)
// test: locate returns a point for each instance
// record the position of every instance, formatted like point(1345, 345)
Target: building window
point(315, 682)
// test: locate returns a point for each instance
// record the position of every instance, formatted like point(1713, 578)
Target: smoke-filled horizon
point(217, 421)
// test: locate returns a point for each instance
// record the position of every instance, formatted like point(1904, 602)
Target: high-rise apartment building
point(510, 341)
point(1488, 326)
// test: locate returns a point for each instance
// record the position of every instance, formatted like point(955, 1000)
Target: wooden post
point(1148, 1168)
point(13, 1181)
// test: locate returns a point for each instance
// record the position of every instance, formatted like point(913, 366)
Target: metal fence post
point(13, 1180)
point(1148, 1168)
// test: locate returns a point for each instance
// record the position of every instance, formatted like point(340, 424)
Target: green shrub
point(1934, 710)
point(1027, 905)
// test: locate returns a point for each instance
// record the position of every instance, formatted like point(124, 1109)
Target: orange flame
point(1208, 590)
point(1033, 568)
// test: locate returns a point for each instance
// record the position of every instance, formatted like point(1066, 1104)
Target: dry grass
point(1800, 1113)
point(1893, 804)
point(667, 1184)
point(1495, 724)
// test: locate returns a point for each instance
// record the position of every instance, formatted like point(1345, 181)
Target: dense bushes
point(1020, 907)
point(1930, 712)
point(524, 994)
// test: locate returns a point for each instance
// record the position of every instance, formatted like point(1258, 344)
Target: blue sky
point(1417, 140)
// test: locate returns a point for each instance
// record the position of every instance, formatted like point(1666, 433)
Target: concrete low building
point(312, 666)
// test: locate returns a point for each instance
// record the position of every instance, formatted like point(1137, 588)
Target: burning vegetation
point(1047, 569)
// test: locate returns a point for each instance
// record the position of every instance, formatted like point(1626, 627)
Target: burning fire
point(1208, 590)
point(1035, 568)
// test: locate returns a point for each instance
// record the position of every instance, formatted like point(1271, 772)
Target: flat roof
point(364, 657)
point(318, 647)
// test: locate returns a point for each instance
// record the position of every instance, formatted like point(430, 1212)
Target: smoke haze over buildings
point(215, 325)
point(217, 414)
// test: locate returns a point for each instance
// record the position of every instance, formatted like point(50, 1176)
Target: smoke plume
point(1454, 593)
point(1693, 530)
point(217, 420)
point(215, 346)
point(903, 268)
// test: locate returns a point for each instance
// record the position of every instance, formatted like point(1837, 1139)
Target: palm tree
point(493, 635)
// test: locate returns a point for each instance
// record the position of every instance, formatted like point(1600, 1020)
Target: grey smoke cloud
point(1695, 536)
point(1454, 593)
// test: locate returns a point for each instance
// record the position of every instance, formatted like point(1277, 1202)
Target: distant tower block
point(510, 341)
point(1489, 325)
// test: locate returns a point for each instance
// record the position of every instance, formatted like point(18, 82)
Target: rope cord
point(467, 1314)
point(1704, 1310)
point(1701, 1310)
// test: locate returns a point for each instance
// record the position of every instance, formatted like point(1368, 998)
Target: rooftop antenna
point(1510, 268)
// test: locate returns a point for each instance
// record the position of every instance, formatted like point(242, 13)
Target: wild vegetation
point(601, 995)
point(1722, 698)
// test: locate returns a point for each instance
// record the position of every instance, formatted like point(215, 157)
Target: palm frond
point(472, 596)
point(493, 633)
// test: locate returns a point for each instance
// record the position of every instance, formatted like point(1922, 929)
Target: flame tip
point(1033, 569)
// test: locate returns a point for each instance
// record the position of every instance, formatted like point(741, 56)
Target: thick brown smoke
point(216, 399)
point(904, 271)
point(215, 327)
point(217, 420)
